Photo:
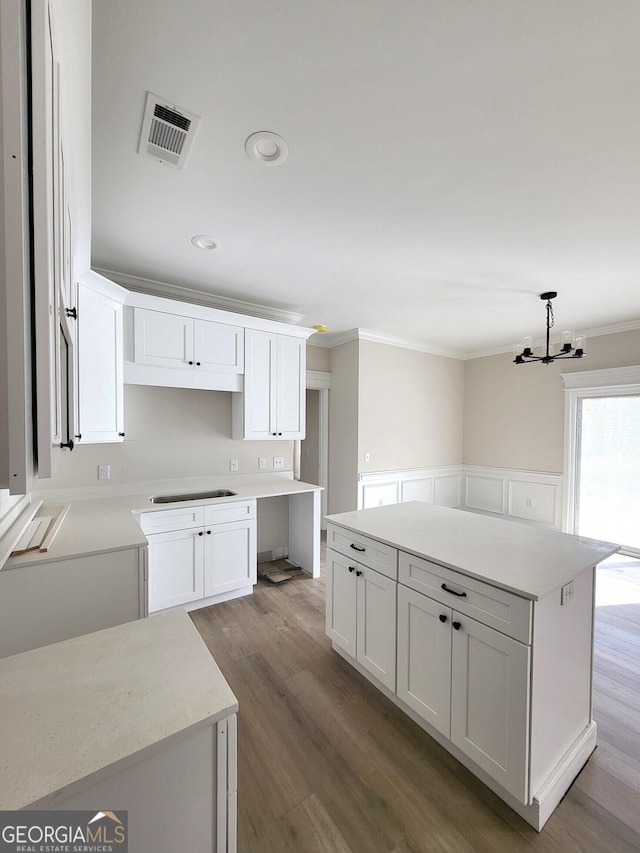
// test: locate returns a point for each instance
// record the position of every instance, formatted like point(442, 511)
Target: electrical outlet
point(262, 463)
point(278, 461)
point(529, 502)
point(104, 472)
point(233, 464)
point(567, 593)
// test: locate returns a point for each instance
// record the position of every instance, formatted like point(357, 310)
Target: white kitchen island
point(481, 630)
point(134, 718)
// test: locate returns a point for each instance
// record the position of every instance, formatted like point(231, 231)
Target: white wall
point(411, 407)
point(514, 415)
point(170, 433)
point(343, 428)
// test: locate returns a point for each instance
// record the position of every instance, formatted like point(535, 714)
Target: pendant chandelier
point(572, 347)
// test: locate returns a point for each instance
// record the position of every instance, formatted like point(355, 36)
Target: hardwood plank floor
point(326, 763)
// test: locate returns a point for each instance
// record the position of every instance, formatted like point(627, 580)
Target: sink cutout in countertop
point(192, 496)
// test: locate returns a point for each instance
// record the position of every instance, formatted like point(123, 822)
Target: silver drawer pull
point(453, 592)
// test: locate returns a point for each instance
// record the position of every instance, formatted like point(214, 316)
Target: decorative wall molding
point(529, 496)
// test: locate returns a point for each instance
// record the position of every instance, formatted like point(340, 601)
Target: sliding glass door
point(607, 485)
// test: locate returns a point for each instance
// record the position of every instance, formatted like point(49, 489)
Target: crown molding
point(334, 339)
point(199, 297)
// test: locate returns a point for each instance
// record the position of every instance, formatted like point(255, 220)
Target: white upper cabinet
point(100, 387)
point(186, 343)
point(273, 403)
point(183, 345)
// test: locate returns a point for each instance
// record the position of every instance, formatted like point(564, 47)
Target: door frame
point(609, 382)
point(320, 381)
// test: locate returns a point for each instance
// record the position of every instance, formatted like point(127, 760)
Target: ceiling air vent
point(167, 131)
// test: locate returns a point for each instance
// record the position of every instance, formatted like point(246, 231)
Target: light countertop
point(109, 523)
point(77, 711)
point(521, 558)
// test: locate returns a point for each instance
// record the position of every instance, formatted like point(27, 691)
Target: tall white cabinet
point(272, 404)
point(99, 355)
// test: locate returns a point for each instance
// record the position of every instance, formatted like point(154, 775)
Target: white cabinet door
point(176, 568)
point(258, 398)
point(490, 702)
point(376, 624)
point(230, 556)
point(100, 391)
point(218, 348)
point(272, 405)
point(341, 601)
point(424, 657)
point(161, 339)
point(290, 387)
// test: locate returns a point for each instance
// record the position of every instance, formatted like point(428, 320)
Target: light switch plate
point(104, 472)
point(233, 464)
point(262, 463)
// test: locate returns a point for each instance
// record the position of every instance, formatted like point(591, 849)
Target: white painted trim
point(318, 379)
point(198, 297)
point(321, 382)
point(606, 378)
point(334, 339)
point(503, 492)
point(609, 382)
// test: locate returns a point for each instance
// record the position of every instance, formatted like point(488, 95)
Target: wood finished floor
point(326, 763)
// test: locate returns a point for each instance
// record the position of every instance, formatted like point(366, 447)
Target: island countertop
point(529, 561)
point(77, 711)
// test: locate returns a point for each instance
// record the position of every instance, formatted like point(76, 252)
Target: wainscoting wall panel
point(529, 496)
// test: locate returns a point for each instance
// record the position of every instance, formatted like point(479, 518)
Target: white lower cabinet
point(361, 615)
point(176, 568)
point(200, 554)
point(468, 681)
point(230, 556)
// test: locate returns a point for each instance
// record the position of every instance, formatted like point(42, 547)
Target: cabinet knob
point(121, 434)
point(208, 533)
point(456, 625)
point(352, 568)
point(358, 574)
point(197, 364)
point(190, 362)
point(442, 617)
point(200, 533)
point(279, 433)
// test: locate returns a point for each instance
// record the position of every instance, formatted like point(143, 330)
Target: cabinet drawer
point(171, 519)
point(377, 555)
point(234, 511)
point(508, 613)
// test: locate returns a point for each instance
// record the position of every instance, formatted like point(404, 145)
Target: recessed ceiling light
point(202, 241)
point(266, 148)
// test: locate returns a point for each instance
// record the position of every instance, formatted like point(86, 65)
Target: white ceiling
point(448, 161)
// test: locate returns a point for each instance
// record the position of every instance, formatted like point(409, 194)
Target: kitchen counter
point(77, 712)
point(103, 524)
point(529, 561)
